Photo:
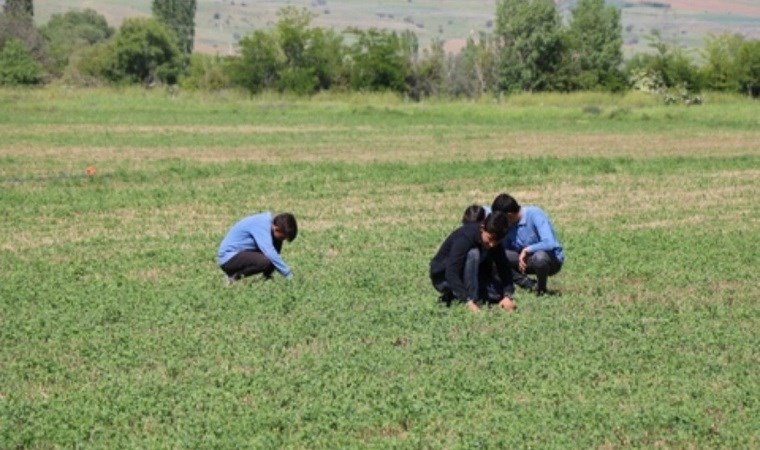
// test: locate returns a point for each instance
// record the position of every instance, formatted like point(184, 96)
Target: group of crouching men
point(495, 249)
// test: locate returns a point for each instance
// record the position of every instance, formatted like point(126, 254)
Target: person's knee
point(540, 262)
point(473, 257)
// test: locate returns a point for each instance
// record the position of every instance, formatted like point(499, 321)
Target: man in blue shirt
point(253, 246)
point(531, 244)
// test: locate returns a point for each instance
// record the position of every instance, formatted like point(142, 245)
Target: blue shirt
point(253, 233)
point(535, 232)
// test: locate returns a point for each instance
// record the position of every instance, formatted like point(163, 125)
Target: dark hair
point(496, 224)
point(287, 224)
point(474, 214)
point(505, 203)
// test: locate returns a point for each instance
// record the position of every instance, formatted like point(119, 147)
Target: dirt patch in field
point(164, 129)
point(423, 147)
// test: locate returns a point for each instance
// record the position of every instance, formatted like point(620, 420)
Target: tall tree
point(178, 16)
point(19, 8)
point(722, 71)
point(749, 60)
point(145, 51)
point(379, 60)
point(595, 41)
point(531, 39)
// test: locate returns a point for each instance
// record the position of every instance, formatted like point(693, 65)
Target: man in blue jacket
point(531, 245)
point(253, 246)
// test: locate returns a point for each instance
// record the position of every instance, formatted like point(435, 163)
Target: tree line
point(530, 50)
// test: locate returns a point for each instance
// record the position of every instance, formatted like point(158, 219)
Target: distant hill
point(221, 23)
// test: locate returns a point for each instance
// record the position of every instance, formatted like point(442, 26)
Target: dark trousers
point(480, 280)
point(542, 264)
point(248, 263)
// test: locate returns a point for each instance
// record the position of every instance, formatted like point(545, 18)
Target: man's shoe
point(528, 284)
point(446, 298)
point(548, 293)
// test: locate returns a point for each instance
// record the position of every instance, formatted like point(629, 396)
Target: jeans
point(247, 263)
point(542, 264)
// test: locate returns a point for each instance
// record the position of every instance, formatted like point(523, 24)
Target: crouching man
point(471, 265)
point(253, 245)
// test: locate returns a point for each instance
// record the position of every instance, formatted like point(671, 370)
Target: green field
point(117, 331)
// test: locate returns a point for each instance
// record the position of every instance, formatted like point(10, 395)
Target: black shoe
point(528, 284)
point(548, 293)
point(446, 298)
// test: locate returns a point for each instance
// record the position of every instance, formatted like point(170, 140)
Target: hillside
point(221, 23)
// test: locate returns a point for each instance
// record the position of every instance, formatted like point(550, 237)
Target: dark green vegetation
point(117, 331)
point(531, 49)
point(218, 23)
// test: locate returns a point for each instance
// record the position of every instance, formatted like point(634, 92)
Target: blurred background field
point(220, 24)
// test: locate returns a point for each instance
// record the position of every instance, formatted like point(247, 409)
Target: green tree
point(378, 60)
point(326, 52)
point(17, 66)
point(312, 56)
point(292, 57)
point(178, 16)
point(145, 51)
point(428, 69)
point(474, 70)
point(532, 47)
point(749, 60)
point(259, 63)
point(71, 32)
point(722, 70)
point(595, 40)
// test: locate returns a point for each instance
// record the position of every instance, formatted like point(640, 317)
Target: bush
point(17, 65)
point(93, 66)
point(668, 67)
point(11, 27)
point(145, 51)
point(260, 61)
point(71, 32)
point(207, 73)
point(379, 60)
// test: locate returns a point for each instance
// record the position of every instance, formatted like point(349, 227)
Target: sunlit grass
point(117, 331)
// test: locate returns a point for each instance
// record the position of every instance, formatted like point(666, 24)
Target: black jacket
point(451, 257)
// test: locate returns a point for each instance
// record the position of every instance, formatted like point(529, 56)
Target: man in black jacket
point(464, 266)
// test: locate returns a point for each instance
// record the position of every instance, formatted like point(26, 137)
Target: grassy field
point(116, 329)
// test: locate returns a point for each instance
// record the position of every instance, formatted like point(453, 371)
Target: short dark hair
point(474, 214)
point(496, 224)
point(505, 203)
point(287, 225)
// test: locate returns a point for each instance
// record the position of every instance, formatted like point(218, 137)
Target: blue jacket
point(253, 233)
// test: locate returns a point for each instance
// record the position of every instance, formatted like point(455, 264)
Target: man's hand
point(472, 306)
point(507, 304)
point(522, 262)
